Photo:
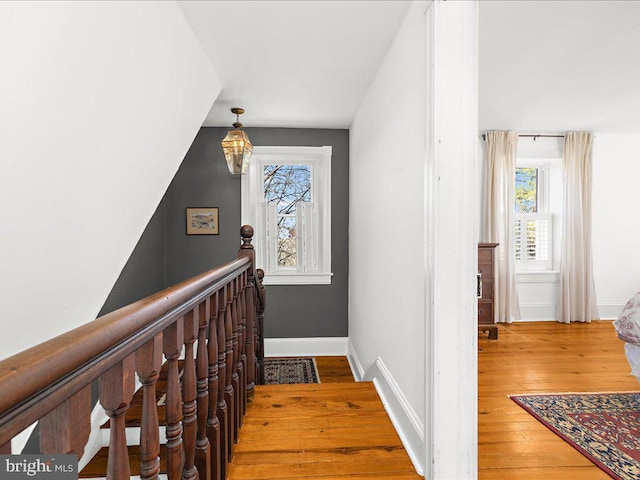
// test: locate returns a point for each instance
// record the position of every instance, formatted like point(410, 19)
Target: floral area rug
point(290, 370)
point(604, 427)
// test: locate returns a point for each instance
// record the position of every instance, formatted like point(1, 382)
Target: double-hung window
point(286, 197)
point(533, 223)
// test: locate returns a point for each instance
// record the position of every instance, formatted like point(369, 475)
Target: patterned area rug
point(290, 370)
point(604, 427)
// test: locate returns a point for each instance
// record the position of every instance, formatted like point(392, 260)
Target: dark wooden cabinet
point(486, 276)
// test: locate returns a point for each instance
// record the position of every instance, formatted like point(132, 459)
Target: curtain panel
point(577, 288)
point(498, 216)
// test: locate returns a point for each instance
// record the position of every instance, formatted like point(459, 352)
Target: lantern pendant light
point(237, 147)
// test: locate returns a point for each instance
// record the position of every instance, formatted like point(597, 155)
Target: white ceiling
point(293, 63)
point(545, 66)
point(553, 66)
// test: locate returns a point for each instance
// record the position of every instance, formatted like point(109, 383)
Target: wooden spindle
point(172, 340)
point(243, 343)
point(117, 386)
point(213, 423)
point(240, 394)
point(203, 458)
point(66, 429)
point(222, 410)
point(229, 394)
point(250, 335)
point(148, 364)
point(189, 417)
point(260, 305)
point(235, 377)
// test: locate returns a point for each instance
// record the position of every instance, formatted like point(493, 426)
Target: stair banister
point(50, 382)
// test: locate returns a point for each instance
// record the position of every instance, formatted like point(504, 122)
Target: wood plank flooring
point(335, 430)
point(541, 357)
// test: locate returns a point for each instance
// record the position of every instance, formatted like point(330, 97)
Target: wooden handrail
point(35, 382)
point(80, 353)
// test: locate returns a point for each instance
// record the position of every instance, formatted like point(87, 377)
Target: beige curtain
point(498, 211)
point(577, 290)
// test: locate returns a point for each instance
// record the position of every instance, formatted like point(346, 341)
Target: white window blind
point(533, 240)
point(291, 249)
point(306, 218)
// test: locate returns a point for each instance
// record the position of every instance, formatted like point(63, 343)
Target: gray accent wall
point(144, 272)
point(204, 181)
point(166, 255)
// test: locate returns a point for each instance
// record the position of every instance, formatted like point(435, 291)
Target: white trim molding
point(305, 347)
point(538, 312)
point(305, 279)
point(548, 312)
point(451, 406)
point(313, 217)
point(538, 277)
point(609, 310)
point(354, 362)
point(403, 417)
point(405, 420)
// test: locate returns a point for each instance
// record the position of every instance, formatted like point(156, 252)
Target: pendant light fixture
point(237, 147)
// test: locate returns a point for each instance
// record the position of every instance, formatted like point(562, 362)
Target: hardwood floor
point(541, 357)
point(338, 430)
point(334, 370)
point(335, 430)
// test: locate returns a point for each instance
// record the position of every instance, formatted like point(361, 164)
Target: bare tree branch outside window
point(287, 185)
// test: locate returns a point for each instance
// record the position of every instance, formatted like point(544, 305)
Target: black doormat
point(290, 370)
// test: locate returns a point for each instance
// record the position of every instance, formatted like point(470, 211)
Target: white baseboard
point(609, 311)
point(354, 363)
point(305, 347)
point(541, 312)
point(404, 418)
point(538, 312)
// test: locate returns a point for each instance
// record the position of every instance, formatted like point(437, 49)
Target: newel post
point(246, 250)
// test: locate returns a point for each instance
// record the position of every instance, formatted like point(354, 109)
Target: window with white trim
point(286, 197)
point(533, 224)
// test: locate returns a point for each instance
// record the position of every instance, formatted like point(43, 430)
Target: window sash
point(306, 234)
point(314, 236)
point(533, 241)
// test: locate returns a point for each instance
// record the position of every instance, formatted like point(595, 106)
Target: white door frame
point(451, 240)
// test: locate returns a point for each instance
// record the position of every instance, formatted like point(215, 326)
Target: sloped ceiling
point(553, 66)
point(293, 63)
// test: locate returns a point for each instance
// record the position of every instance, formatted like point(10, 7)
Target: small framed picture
point(202, 221)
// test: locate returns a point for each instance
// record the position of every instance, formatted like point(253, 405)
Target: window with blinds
point(286, 196)
point(290, 218)
point(532, 224)
point(533, 241)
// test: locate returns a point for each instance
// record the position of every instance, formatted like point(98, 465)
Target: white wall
point(412, 248)
point(615, 230)
point(99, 103)
point(616, 220)
point(538, 291)
point(616, 234)
point(387, 212)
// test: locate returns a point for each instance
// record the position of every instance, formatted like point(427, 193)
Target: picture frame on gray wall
point(203, 221)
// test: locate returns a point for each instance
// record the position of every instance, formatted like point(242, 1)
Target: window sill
point(297, 279)
point(538, 276)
